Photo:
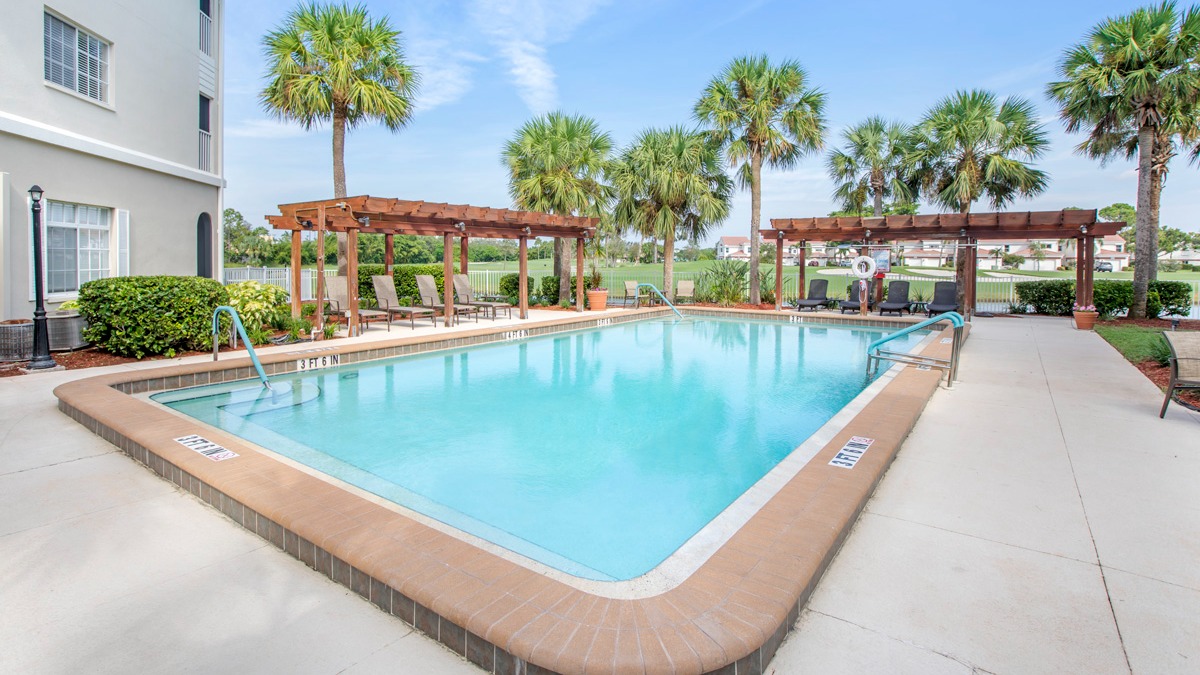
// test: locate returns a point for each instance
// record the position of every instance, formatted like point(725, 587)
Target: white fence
point(993, 294)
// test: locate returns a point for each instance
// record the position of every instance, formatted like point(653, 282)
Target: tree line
point(1131, 85)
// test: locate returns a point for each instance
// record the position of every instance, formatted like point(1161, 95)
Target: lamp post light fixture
point(41, 335)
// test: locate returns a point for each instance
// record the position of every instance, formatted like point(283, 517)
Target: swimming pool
point(597, 452)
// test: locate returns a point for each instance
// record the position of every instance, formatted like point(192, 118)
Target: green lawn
point(1136, 343)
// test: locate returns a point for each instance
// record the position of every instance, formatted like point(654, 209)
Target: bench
point(1185, 363)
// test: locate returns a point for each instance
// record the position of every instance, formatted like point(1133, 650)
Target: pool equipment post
point(237, 326)
point(864, 268)
point(948, 366)
point(660, 295)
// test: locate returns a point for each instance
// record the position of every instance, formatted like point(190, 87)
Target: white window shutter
point(122, 242)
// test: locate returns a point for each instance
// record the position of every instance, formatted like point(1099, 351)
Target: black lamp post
point(41, 335)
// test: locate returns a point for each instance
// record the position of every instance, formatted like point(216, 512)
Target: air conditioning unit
point(66, 330)
point(16, 340)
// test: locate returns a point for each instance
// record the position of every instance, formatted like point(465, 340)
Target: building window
point(75, 59)
point(77, 245)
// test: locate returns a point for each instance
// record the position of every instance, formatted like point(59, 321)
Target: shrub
point(1047, 297)
point(724, 283)
point(1174, 296)
point(139, 316)
point(1115, 297)
point(549, 289)
point(509, 285)
point(766, 286)
point(255, 303)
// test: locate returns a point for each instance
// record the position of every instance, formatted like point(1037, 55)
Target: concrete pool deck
point(1027, 502)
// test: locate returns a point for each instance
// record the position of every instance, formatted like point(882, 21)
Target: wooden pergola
point(967, 229)
point(389, 217)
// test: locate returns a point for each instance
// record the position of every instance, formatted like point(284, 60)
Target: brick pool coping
point(729, 616)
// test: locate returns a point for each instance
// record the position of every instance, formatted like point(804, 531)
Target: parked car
point(811, 263)
point(1104, 266)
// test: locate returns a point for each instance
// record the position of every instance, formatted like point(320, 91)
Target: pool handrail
point(950, 365)
point(237, 325)
point(660, 295)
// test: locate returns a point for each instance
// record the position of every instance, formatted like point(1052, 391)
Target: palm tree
point(669, 184)
point(1133, 85)
point(968, 146)
point(333, 63)
point(759, 112)
point(871, 163)
point(556, 164)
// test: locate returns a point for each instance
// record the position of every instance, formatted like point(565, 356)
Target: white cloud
point(521, 30)
point(264, 129)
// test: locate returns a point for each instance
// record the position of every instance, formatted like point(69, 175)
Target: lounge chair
point(466, 295)
point(431, 299)
point(1185, 364)
point(897, 299)
point(385, 297)
point(945, 298)
point(685, 289)
point(851, 302)
point(337, 294)
point(818, 295)
point(632, 292)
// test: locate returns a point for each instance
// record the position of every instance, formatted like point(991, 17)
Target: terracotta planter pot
point(597, 299)
point(1085, 320)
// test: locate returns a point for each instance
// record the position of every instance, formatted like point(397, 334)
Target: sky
point(488, 66)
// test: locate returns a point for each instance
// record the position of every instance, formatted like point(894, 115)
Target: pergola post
point(296, 274)
point(522, 277)
point(389, 255)
point(579, 275)
point(1089, 270)
point(972, 274)
point(802, 288)
point(448, 279)
point(779, 272)
point(1080, 263)
point(462, 253)
point(319, 317)
point(352, 281)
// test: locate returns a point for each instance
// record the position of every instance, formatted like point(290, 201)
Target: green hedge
point(549, 290)
point(405, 277)
point(140, 316)
point(510, 285)
point(1110, 296)
point(1047, 297)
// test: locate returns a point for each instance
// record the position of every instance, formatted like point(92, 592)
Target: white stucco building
point(114, 109)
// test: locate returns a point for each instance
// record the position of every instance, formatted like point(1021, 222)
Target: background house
point(115, 111)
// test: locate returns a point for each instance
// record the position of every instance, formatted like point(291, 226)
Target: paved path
point(1040, 519)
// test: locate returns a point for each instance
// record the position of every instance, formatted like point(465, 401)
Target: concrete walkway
point(1041, 518)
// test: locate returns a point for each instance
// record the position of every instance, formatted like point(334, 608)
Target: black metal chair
point(945, 298)
point(818, 290)
point(896, 300)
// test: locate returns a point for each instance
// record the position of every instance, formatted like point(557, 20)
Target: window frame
point(106, 82)
point(112, 215)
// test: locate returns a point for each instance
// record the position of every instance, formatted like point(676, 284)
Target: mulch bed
point(1161, 324)
point(91, 357)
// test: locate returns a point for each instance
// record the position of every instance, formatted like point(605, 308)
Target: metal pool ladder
point(660, 295)
point(237, 325)
point(949, 366)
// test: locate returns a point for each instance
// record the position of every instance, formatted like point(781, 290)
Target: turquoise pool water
point(598, 452)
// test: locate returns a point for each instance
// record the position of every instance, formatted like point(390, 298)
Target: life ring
point(863, 266)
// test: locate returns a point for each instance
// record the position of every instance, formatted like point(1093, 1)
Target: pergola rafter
point(389, 217)
point(967, 228)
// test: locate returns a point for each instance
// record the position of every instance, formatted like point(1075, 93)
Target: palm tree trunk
point(339, 181)
point(1146, 237)
point(877, 189)
point(668, 281)
point(755, 212)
